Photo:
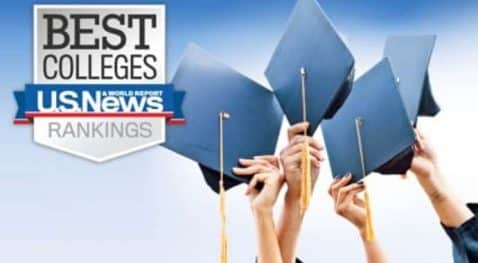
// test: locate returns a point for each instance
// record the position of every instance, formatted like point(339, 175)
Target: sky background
point(152, 206)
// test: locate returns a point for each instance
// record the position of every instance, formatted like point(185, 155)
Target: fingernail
point(360, 183)
point(349, 175)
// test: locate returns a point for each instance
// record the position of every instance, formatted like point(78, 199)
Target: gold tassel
point(306, 184)
point(369, 231)
point(305, 190)
point(223, 242)
point(223, 257)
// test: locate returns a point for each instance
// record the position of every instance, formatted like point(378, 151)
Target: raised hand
point(290, 158)
point(348, 203)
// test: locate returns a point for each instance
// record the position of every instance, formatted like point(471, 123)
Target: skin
point(265, 171)
point(449, 208)
point(349, 205)
point(290, 221)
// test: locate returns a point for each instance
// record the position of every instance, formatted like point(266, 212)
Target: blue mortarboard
point(410, 57)
point(311, 42)
point(384, 131)
point(210, 88)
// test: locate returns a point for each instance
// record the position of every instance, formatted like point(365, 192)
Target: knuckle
point(334, 188)
point(340, 209)
point(341, 191)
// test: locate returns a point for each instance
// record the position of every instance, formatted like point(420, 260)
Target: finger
point(339, 184)
point(419, 134)
point(250, 170)
point(350, 195)
point(252, 184)
point(297, 140)
point(317, 154)
point(292, 149)
point(293, 160)
point(345, 201)
point(315, 144)
point(258, 178)
point(334, 182)
point(296, 146)
point(359, 201)
point(344, 192)
point(300, 139)
point(314, 161)
point(420, 141)
point(296, 129)
point(269, 158)
point(250, 162)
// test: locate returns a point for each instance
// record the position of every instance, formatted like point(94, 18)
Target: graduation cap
point(211, 88)
point(215, 93)
point(370, 131)
point(311, 73)
point(310, 44)
point(372, 127)
point(410, 57)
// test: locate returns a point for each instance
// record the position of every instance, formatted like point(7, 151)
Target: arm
point(350, 206)
point(449, 208)
point(290, 221)
point(267, 245)
point(262, 203)
point(288, 228)
point(373, 251)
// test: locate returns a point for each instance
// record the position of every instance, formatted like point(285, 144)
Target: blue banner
point(37, 98)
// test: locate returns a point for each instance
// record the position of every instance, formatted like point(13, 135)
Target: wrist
point(434, 185)
point(363, 234)
point(291, 197)
point(428, 174)
point(261, 210)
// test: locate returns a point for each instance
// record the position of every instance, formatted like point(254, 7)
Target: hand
point(450, 209)
point(425, 167)
point(424, 162)
point(265, 171)
point(347, 202)
point(291, 155)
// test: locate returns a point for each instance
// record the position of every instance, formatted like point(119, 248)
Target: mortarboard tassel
point(369, 232)
point(306, 184)
point(223, 257)
point(305, 180)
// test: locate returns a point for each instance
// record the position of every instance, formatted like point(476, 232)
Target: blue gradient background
point(152, 206)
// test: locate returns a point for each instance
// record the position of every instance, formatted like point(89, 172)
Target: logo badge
point(99, 86)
